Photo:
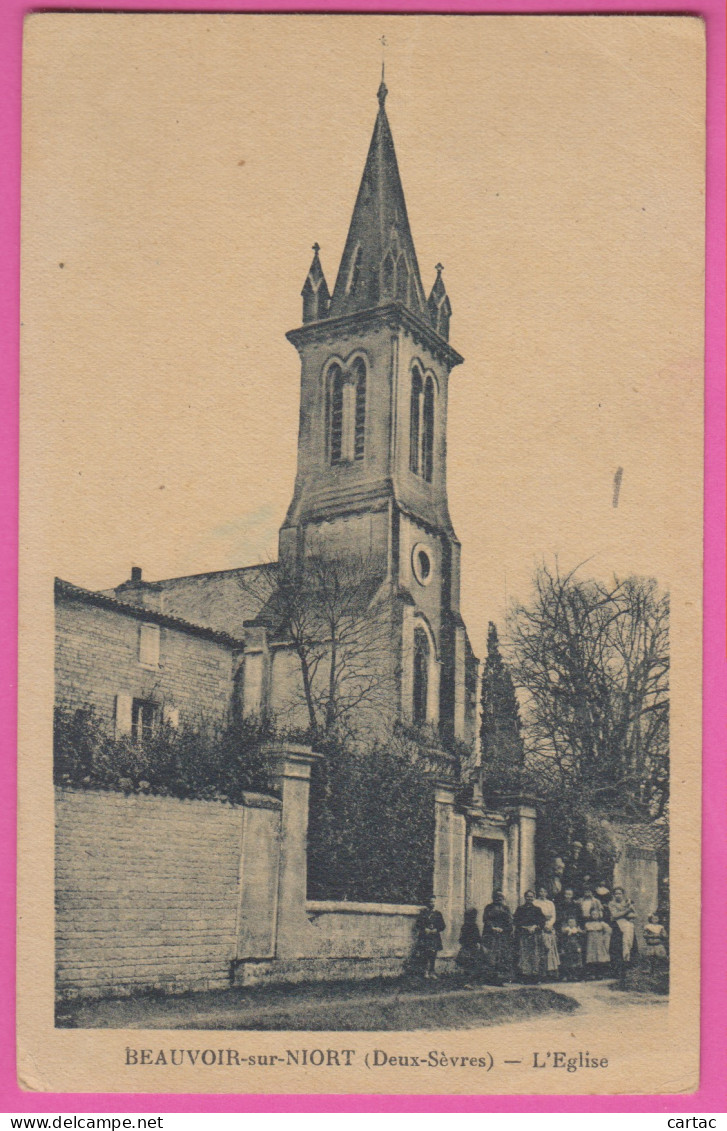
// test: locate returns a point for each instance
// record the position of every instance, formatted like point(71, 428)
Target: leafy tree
point(500, 728)
point(592, 660)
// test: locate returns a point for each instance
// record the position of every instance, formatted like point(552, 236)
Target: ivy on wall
point(371, 826)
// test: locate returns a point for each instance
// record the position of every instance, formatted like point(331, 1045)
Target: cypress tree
point(500, 729)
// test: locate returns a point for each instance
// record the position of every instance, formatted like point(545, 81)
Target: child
point(598, 938)
point(602, 892)
point(571, 951)
point(655, 938)
point(587, 902)
point(551, 958)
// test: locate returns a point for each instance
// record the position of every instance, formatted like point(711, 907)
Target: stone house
point(136, 666)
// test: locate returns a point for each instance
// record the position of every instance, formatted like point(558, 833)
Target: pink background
point(712, 1094)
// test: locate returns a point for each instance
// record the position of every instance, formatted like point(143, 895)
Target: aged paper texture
point(266, 853)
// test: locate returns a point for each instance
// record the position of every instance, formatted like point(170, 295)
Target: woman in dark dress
point(429, 926)
point(529, 922)
point(497, 936)
point(470, 958)
point(568, 907)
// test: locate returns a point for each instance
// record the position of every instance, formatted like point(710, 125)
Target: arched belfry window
point(335, 413)
point(414, 415)
point(359, 372)
point(421, 425)
point(346, 411)
point(421, 677)
point(428, 430)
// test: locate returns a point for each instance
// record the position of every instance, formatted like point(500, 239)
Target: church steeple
point(371, 481)
point(379, 263)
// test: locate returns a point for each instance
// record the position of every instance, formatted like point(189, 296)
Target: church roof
point(221, 600)
point(379, 262)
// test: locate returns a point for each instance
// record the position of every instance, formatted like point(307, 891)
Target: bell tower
point(372, 454)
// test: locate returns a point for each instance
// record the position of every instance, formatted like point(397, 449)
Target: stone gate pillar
point(527, 815)
point(256, 671)
point(450, 839)
point(292, 770)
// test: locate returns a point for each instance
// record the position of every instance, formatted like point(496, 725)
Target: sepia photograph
point(361, 506)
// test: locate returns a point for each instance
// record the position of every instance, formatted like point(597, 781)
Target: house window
point(143, 715)
point(149, 636)
point(421, 676)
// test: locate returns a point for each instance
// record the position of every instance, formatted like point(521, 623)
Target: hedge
point(196, 760)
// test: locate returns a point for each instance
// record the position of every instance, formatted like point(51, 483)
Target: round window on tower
point(421, 562)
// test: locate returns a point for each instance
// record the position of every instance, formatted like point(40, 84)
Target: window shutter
point(170, 715)
point(149, 645)
point(123, 714)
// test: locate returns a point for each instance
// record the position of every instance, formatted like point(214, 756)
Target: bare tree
point(592, 661)
point(332, 612)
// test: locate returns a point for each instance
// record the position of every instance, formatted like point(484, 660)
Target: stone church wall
point(223, 600)
point(363, 535)
point(286, 695)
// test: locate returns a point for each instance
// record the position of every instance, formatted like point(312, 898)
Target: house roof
point(65, 590)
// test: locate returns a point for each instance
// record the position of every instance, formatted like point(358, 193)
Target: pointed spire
point(382, 91)
point(316, 296)
point(379, 262)
point(383, 88)
point(438, 305)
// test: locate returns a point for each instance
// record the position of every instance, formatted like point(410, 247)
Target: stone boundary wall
point(159, 893)
point(146, 893)
point(361, 930)
point(637, 872)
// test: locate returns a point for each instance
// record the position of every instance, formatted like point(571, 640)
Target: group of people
point(567, 935)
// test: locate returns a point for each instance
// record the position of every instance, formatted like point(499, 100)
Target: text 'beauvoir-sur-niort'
point(568, 1061)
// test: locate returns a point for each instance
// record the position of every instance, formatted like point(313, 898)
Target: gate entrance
point(485, 872)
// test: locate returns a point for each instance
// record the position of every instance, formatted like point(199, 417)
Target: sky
point(177, 170)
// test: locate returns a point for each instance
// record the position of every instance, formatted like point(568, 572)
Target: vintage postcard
point(361, 542)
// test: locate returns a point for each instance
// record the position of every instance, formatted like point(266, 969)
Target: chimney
point(136, 591)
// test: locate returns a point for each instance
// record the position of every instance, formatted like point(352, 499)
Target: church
point(356, 625)
point(369, 513)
